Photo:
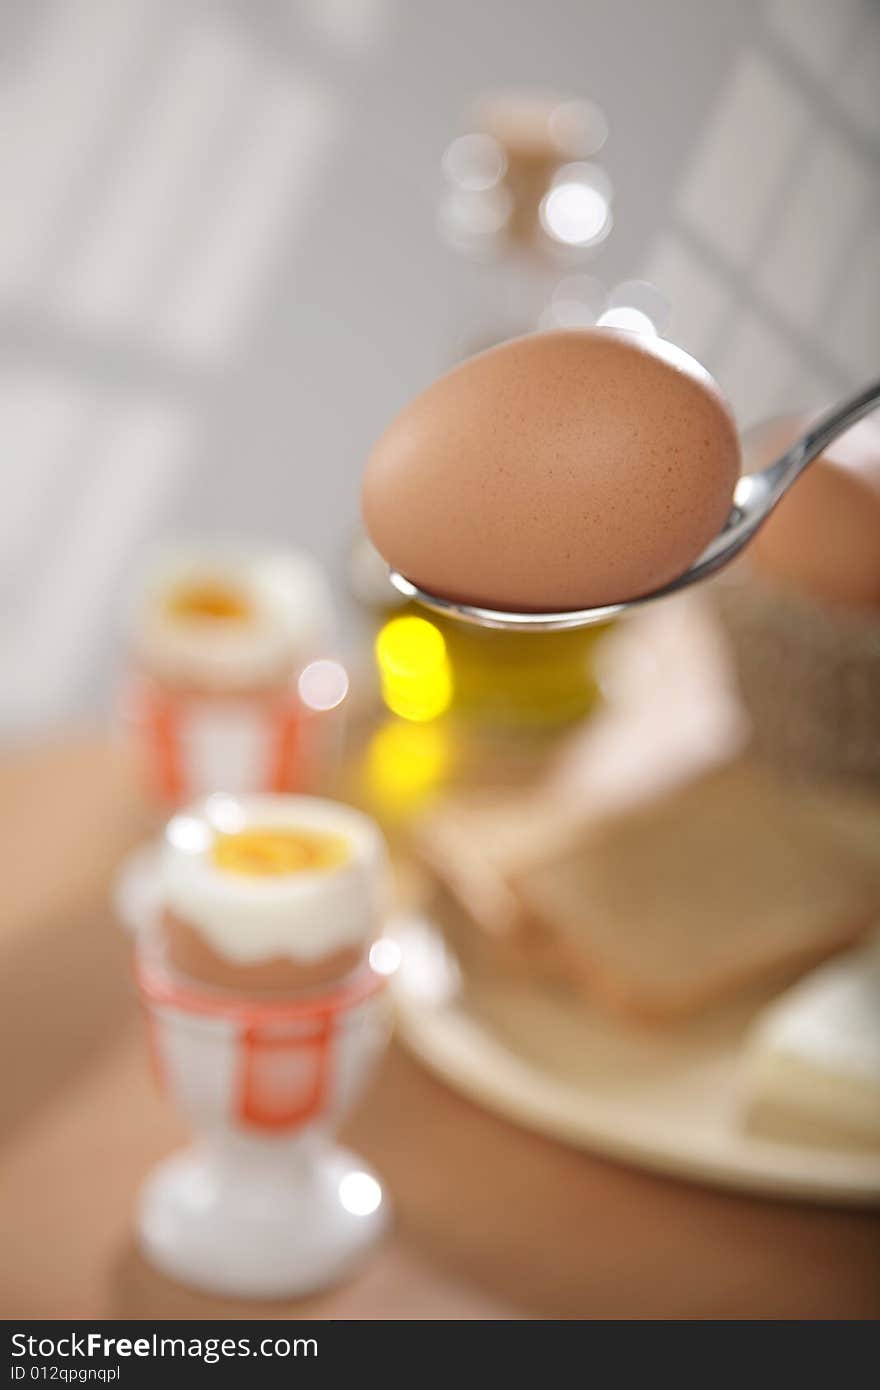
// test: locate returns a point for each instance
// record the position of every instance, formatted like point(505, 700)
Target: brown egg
point(824, 537)
point(561, 470)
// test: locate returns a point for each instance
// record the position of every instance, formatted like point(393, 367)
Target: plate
point(670, 1102)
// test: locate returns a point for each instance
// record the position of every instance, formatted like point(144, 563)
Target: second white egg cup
point(265, 1204)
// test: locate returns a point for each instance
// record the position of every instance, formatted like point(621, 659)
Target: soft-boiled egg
point(558, 471)
point(260, 878)
point(221, 617)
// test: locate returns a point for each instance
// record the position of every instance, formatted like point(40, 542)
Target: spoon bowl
point(754, 498)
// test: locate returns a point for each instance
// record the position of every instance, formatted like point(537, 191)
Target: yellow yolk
point(209, 600)
point(273, 852)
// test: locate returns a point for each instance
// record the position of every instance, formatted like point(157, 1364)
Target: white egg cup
point(188, 744)
point(264, 1204)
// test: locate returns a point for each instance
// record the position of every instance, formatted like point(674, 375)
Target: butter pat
point(814, 1054)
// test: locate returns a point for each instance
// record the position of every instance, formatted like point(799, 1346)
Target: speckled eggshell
point(557, 471)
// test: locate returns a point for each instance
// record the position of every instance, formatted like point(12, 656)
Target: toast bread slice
point(726, 881)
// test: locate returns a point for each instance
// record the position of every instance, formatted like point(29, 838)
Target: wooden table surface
point(491, 1221)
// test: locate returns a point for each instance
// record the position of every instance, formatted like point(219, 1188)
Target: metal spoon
point(755, 496)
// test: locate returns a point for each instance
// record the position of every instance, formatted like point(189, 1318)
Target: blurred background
point(226, 255)
point(236, 237)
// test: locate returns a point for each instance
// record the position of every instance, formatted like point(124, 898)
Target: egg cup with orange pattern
point(263, 983)
point(231, 683)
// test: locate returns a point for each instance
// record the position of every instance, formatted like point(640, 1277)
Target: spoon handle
point(756, 494)
point(781, 474)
